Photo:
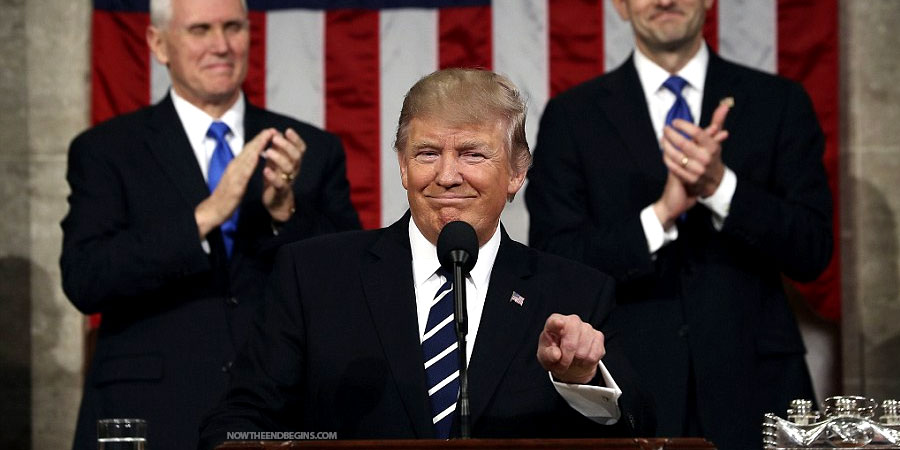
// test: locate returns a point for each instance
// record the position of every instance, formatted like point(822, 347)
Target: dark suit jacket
point(173, 315)
point(712, 301)
point(337, 348)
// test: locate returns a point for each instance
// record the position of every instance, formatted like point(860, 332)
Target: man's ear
point(404, 164)
point(156, 42)
point(515, 184)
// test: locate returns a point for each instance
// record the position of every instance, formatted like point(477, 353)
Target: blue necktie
point(680, 109)
point(441, 353)
point(220, 158)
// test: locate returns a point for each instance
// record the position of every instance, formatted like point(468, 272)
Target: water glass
point(122, 434)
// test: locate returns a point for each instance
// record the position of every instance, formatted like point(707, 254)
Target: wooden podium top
point(479, 444)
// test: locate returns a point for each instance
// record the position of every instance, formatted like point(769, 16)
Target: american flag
point(344, 65)
point(517, 298)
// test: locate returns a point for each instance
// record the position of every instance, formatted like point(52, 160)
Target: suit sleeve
point(592, 298)
point(635, 405)
point(559, 198)
point(267, 377)
point(105, 255)
point(788, 221)
point(326, 208)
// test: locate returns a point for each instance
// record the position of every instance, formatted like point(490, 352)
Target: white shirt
point(599, 404)
point(659, 101)
point(196, 123)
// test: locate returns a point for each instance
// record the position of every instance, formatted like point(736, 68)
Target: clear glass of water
point(122, 434)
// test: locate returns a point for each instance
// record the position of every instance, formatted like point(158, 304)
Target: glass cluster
point(848, 422)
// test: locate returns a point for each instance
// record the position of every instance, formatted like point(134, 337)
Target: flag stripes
point(352, 102)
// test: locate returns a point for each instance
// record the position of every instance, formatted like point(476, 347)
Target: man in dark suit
point(696, 224)
point(343, 344)
point(175, 262)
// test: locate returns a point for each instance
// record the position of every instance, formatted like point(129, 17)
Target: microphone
point(457, 249)
point(458, 244)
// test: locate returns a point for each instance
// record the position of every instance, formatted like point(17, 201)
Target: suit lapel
point(720, 83)
point(622, 100)
point(393, 308)
point(504, 324)
point(170, 146)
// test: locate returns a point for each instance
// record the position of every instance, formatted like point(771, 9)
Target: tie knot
point(218, 130)
point(675, 84)
point(447, 274)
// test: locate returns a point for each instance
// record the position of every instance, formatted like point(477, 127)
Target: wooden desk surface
point(479, 444)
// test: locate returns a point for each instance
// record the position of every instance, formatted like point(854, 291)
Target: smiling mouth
point(450, 200)
point(666, 15)
point(219, 66)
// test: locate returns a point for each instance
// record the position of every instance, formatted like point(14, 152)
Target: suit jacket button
point(227, 366)
point(233, 301)
point(684, 331)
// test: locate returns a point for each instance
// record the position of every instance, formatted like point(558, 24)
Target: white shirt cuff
point(657, 237)
point(600, 404)
point(719, 203)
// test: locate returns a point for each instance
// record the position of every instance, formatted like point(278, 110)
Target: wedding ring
point(287, 177)
point(684, 161)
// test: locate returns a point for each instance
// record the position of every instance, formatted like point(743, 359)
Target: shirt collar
point(426, 263)
point(196, 121)
point(652, 76)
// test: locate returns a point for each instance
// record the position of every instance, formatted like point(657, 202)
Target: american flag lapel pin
point(517, 298)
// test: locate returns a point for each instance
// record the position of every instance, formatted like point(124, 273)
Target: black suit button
point(684, 331)
point(227, 366)
point(233, 301)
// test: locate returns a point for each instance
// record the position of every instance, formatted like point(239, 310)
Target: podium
point(479, 444)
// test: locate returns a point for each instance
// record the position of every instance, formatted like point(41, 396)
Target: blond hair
point(467, 97)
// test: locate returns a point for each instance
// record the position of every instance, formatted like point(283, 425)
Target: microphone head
point(458, 244)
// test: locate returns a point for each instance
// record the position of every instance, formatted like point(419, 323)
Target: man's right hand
point(694, 154)
point(703, 151)
point(674, 202)
point(224, 200)
point(570, 349)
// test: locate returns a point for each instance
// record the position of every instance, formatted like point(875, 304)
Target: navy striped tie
point(441, 352)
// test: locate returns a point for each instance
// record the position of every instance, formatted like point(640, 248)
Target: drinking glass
point(122, 434)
